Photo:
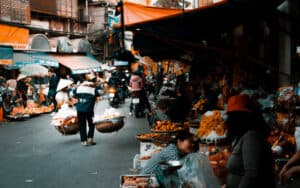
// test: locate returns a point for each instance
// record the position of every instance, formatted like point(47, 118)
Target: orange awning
point(135, 13)
point(138, 14)
point(14, 36)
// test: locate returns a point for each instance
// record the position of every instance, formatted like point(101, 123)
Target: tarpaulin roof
point(20, 59)
point(6, 55)
point(135, 13)
point(79, 64)
point(198, 29)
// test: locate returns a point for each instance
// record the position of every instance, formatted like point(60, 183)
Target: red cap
point(239, 103)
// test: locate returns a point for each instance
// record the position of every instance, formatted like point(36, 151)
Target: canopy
point(79, 64)
point(6, 55)
point(135, 13)
point(198, 30)
point(21, 59)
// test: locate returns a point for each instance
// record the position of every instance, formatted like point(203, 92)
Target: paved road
point(33, 154)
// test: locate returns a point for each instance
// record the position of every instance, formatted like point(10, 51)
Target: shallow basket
point(110, 125)
point(68, 129)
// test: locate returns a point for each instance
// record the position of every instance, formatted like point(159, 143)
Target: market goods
point(109, 113)
point(282, 143)
point(200, 104)
point(31, 110)
point(110, 125)
point(147, 136)
point(166, 126)
point(135, 181)
point(218, 158)
point(65, 116)
point(212, 126)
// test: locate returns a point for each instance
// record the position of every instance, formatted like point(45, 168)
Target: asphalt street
point(34, 154)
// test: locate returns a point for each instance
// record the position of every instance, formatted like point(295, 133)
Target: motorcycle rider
point(116, 82)
point(137, 83)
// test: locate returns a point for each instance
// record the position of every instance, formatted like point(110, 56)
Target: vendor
point(86, 96)
point(290, 173)
point(182, 146)
point(251, 163)
point(180, 108)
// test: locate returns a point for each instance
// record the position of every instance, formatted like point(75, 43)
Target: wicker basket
point(68, 129)
point(110, 125)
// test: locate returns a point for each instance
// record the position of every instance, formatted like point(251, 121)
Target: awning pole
point(122, 25)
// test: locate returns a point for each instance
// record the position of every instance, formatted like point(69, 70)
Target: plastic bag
point(197, 172)
point(297, 137)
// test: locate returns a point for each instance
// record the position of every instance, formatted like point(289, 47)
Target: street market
point(177, 94)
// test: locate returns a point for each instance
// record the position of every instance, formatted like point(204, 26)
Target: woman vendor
point(182, 146)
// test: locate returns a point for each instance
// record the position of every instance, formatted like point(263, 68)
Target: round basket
point(68, 129)
point(110, 125)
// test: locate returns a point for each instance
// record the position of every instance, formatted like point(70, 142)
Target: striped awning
point(79, 64)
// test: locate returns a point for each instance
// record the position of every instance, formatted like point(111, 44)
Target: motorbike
point(6, 100)
point(137, 106)
point(113, 97)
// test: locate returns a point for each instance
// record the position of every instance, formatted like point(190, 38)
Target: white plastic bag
point(197, 172)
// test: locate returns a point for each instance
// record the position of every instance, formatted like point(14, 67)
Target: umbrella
point(63, 83)
point(34, 70)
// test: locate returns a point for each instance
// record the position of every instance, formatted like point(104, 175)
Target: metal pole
point(86, 8)
point(122, 26)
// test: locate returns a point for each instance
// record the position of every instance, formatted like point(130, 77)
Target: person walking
point(251, 163)
point(86, 96)
point(53, 82)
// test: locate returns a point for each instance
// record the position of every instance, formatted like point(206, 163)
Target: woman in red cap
point(251, 164)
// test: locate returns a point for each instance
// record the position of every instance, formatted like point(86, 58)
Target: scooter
point(113, 97)
point(6, 99)
point(138, 108)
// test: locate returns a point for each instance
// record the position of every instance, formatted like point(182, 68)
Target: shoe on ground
point(84, 143)
point(91, 142)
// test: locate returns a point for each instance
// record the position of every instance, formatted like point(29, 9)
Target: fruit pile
point(212, 122)
point(199, 105)
point(166, 126)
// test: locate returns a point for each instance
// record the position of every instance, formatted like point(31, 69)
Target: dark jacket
point(251, 164)
point(179, 109)
point(21, 87)
point(53, 82)
point(86, 96)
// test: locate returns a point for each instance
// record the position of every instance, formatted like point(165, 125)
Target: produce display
point(212, 126)
point(135, 181)
point(217, 157)
point(283, 144)
point(200, 104)
point(31, 109)
point(147, 136)
point(166, 126)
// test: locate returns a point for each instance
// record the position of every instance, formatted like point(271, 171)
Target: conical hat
point(63, 83)
point(21, 76)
